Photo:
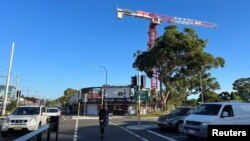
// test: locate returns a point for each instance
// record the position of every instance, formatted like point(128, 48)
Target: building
point(119, 100)
point(11, 91)
point(11, 94)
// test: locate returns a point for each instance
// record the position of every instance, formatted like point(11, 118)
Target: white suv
point(27, 118)
point(53, 112)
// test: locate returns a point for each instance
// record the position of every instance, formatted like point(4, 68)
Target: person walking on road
point(103, 119)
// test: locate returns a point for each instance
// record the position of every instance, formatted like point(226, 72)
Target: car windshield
point(52, 110)
point(26, 111)
point(180, 111)
point(207, 109)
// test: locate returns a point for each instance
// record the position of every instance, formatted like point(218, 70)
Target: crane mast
point(156, 19)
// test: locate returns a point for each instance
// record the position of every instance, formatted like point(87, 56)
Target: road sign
point(143, 96)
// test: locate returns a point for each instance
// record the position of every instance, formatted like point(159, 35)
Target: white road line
point(157, 134)
point(130, 132)
point(75, 133)
point(63, 117)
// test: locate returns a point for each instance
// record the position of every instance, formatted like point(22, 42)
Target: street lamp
point(106, 72)
point(105, 95)
point(106, 75)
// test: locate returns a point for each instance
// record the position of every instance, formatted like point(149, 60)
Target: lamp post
point(106, 72)
point(106, 76)
point(105, 95)
point(8, 81)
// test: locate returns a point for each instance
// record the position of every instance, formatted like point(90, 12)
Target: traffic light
point(18, 93)
point(143, 81)
point(134, 81)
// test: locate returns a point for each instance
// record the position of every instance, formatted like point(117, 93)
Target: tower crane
point(156, 19)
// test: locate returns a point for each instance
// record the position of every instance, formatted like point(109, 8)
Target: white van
point(217, 113)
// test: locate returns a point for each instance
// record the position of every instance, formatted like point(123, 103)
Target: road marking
point(130, 132)
point(63, 117)
point(159, 135)
point(75, 133)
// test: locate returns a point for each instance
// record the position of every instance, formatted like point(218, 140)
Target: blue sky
point(56, 41)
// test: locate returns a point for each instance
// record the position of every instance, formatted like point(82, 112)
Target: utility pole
point(8, 81)
point(18, 93)
point(16, 97)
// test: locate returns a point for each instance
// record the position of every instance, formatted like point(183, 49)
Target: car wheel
point(180, 127)
point(4, 133)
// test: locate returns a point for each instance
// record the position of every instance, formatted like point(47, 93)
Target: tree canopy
point(242, 88)
point(67, 94)
point(180, 61)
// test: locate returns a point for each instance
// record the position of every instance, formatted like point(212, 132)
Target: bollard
point(54, 124)
point(48, 131)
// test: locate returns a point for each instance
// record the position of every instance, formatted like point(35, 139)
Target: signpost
point(140, 97)
point(143, 96)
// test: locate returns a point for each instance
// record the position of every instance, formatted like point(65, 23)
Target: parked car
point(118, 112)
point(174, 120)
point(24, 118)
point(53, 111)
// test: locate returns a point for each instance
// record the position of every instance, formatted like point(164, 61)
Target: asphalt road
point(119, 129)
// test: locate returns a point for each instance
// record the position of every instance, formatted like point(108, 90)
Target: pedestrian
point(103, 119)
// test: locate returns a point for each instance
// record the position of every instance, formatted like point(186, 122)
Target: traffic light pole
point(139, 99)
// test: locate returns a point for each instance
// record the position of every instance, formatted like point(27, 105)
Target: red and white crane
point(156, 19)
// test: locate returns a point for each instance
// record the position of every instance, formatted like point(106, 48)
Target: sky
point(56, 41)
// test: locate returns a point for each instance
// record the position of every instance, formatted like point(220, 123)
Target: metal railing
point(37, 133)
point(53, 122)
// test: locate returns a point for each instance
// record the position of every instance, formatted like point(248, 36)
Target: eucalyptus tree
point(241, 87)
point(224, 96)
point(177, 57)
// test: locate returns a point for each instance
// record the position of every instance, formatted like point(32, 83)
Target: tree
point(242, 88)
point(209, 97)
point(11, 106)
point(176, 56)
point(191, 102)
point(235, 96)
point(67, 94)
point(153, 99)
point(224, 96)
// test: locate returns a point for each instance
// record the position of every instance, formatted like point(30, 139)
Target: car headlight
point(6, 120)
point(33, 120)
